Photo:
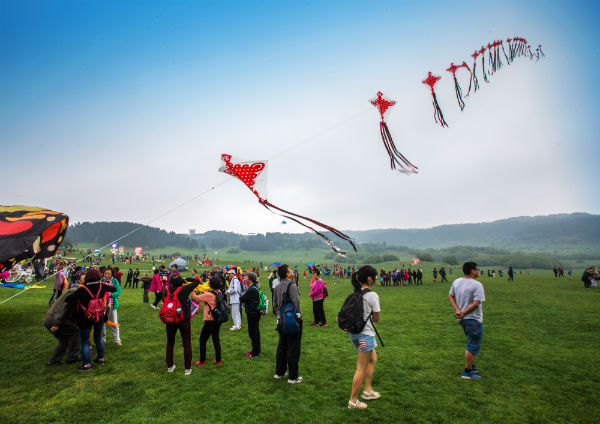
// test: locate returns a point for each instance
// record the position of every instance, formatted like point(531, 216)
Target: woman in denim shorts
point(364, 342)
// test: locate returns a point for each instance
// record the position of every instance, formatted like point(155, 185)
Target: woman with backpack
point(251, 300)
point(91, 313)
point(182, 323)
point(317, 294)
point(211, 325)
point(364, 342)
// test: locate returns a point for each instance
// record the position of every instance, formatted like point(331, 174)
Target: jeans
point(84, 335)
point(146, 300)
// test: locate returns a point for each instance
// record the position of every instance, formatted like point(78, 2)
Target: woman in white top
point(364, 342)
point(234, 291)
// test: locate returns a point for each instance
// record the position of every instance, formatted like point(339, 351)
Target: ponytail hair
point(360, 277)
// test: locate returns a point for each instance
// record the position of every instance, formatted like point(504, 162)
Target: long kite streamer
point(517, 47)
point(253, 175)
point(431, 81)
point(397, 160)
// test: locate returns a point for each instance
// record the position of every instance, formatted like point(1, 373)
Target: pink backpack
point(96, 308)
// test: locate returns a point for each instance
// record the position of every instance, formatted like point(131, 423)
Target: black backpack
point(221, 311)
point(350, 317)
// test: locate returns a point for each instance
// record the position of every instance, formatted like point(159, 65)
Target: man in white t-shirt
point(466, 295)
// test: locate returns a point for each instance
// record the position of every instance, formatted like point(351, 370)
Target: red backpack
point(96, 308)
point(171, 311)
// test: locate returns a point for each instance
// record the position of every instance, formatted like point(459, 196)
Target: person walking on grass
point(184, 325)
point(365, 343)
point(211, 327)
point(94, 288)
point(288, 347)
point(251, 299)
point(156, 288)
point(317, 294)
point(466, 295)
point(234, 291)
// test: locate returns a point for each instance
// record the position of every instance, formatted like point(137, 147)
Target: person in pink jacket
point(318, 292)
point(156, 288)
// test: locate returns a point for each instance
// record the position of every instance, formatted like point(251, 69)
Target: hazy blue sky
point(119, 110)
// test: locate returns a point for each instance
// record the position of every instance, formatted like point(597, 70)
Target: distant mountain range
point(576, 232)
point(525, 232)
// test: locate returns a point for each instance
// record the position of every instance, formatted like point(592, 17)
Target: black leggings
point(254, 332)
point(157, 298)
point(211, 328)
point(319, 312)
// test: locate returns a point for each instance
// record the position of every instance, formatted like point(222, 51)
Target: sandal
point(370, 395)
point(356, 405)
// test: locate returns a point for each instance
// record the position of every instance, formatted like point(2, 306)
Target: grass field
point(539, 363)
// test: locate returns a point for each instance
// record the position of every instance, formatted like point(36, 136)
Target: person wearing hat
point(234, 292)
point(250, 299)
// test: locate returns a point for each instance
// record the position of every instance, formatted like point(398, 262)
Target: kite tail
point(491, 61)
point(498, 58)
point(473, 78)
point(470, 78)
point(461, 103)
point(297, 218)
point(541, 52)
point(485, 78)
point(396, 158)
point(505, 56)
point(437, 112)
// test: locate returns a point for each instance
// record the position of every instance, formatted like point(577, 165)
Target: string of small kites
point(517, 47)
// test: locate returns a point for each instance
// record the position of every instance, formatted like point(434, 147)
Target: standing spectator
point(234, 292)
point(184, 325)
point(420, 276)
point(136, 278)
point(59, 322)
point(251, 299)
point(129, 280)
point(466, 295)
point(435, 274)
point(60, 284)
point(112, 305)
point(555, 271)
point(317, 294)
point(117, 275)
point(288, 347)
point(173, 273)
point(211, 327)
point(146, 287)
point(511, 274)
point(94, 287)
point(364, 342)
point(443, 274)
point(273, 282)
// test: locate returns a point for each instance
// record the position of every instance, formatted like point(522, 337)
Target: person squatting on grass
point(250, 299)
point(184, 326)
point(365, 342)
point(94, 287)
point(234, 291)
point(112, 304)
point(59, 322)
point(317, 294)
point(466, 295)
point(211, 327)
point(288, 347)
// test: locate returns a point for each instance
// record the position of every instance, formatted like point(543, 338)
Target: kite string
point(306, 140)
point(26, 287)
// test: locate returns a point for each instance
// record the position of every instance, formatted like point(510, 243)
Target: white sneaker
point(277, 377)
point(152, 306)
point(171, 369)
point(296, 381)
point(187, 372)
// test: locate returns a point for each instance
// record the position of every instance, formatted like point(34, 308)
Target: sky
point(120, 110)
